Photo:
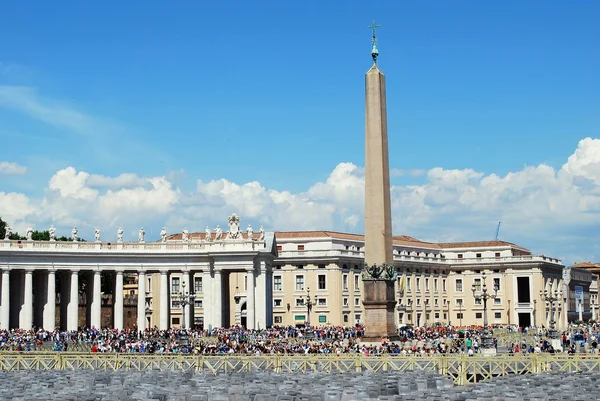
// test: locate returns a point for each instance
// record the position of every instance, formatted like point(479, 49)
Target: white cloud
point(552, 211)
point(10, 168)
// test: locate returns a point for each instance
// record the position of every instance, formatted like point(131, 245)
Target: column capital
point(75, 270)
point(141, 272)
point(29, 270)
point(119, 272)
point(164, 272)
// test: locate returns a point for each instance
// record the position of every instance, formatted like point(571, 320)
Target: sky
point(178, 114)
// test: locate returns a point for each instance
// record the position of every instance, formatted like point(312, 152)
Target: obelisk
point(379, 274)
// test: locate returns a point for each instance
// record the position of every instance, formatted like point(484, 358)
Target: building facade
point(261, 279)
point(435, 284)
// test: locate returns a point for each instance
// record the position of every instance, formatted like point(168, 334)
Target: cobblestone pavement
point(188, 386)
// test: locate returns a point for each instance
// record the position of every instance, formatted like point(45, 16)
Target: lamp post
point(551, 299)
point(487, 343)
point(309, 303)
point(184, 298)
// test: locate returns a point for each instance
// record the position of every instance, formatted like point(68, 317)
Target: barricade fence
point(461, 368)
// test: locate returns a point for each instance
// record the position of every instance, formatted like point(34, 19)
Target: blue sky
point(273, 92)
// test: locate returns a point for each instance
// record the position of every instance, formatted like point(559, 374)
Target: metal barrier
point(462, 369)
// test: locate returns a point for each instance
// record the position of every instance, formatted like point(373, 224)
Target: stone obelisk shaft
point(378, 214)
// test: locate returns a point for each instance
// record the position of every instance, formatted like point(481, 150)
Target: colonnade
point(21, 308)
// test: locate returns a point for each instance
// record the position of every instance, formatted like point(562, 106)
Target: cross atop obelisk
point(374, 51)
point(379, 274)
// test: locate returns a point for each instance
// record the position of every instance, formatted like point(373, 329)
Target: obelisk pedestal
point(379, 274)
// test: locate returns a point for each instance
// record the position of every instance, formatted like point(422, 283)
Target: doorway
point(524, 319)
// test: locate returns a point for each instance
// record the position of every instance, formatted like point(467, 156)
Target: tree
point(2, 228)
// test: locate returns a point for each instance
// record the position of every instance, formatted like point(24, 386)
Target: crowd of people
point(278, 340)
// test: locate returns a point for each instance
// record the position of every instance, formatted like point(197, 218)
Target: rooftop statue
point(218, 233)
point(234, 227)
point(163, 235)
point(120, 235)
point(74, 234)
point(29, 233)
point(7, 233)
point(97, 234)
point(207, 234)
point(185, 235)
point(141, 234)
point(52, 232)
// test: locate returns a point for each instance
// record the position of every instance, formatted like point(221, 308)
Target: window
point(278, 303)
point(418, 284)
point(409, 317)
point(497, 301)
point(345, 301)
point(175, 304)
point(478, 255)
point(277, 284)
point(299, 266)
point(356, 301)
point(175, 321)
point(418, 301)
point(478, 315)
point(459, 302)
point(435, 301)
point(477, 283)
point(321, 282)
point(445, 316)
point(357, 318)
point(345, 318)
point(278, 319)
point(197, 284)
point(445, 301)
point(299, 302)
point(408, 284)
point(459, 315)
point(498, 315)
point(459, 286)
point(345, 282)
point(300, 247)
point(496, 283)
point(175, 285)
point(197, 303)
point(436, 315)
point(435, 284)
point(300, 283)
point(279, 247)
point(478, 301)
point(322, 302)
point(497, 254)
point(444, 284)
point(356, 283)
point(321, 266)
point(460, 255)
point(427, 284)
point(427, 316)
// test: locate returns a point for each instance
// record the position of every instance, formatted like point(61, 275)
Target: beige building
point(434, 285)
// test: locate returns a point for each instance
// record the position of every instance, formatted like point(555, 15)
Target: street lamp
point(551, 299)
point(309, 303)
point(487, 343)
point(184, 299)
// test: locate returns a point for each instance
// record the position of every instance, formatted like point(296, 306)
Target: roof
point(586, 265)
point(397, 239)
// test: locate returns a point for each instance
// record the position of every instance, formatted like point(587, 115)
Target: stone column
point(5, 316)
point(261, 297)
point(73, 306)
point(164, 300)
point(190, 315)
point(118, 301)
point(26, 316)
point(217, 306)
point(207, 300)
point(141, 305)
point(50, 306)
point(96, 309)
point(250, 307)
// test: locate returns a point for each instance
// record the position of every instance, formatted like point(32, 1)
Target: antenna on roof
point(498, 230)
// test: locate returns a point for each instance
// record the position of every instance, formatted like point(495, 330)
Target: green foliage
point(2, 228)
